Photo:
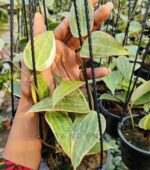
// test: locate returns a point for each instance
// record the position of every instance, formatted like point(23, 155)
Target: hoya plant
point(73, 123)
point(145, 122)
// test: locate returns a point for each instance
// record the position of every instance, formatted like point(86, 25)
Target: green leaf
point(124, 66)
point(43, 89)
point(74, 102)
point(120, 37)
point(116, 98)
point(82, 18)
point(104, 45)
point(96, 149)
point(147, 107)
point(1, 44)
point(84, 136)
point(109, 97)
point(22, 43)
point(143, 99)
point(77, 138)
point(58, 80)
point(17, 89)
point(17, 58)
point(132, 49)
point(112, 80)
point(61, 126)
point(135, 27)
point(65, 88)
point(140, 91)
point(45, 49)
point(145, 122)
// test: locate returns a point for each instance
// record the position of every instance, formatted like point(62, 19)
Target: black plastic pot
point(112, 121)
point(144, 73)
point(133, 157)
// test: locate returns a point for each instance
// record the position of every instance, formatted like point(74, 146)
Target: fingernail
point(110, 5)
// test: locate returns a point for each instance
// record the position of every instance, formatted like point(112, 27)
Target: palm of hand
point(67, 62)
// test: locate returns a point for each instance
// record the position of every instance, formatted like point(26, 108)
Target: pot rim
point(120, 125)
point(109, 113)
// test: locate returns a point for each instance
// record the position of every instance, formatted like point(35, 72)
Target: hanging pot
point(134, 157)
point(112, 120)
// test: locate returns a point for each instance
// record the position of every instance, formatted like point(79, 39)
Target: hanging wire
point(109, 19)
point(25, 19)
point(147, 51)
point(136, 57)
point(31, 20)
point(18, 23)
point(94, 80)
point(131, 12)
point(45, 14)
point(118, 17)
point(81, 43)
point(11, 12)
point(129, 8)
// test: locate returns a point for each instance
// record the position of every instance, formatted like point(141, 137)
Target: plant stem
point(28, 76)
point(131, 116)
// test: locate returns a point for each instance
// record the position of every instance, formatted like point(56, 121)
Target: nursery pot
point(112, 120)
point(144, 73)
point(133, 157)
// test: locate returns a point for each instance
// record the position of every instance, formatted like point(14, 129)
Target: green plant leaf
point(132, 49)
point(74, 102)
point(45, 49)
point(84, 136)
point(43, 89)
point(147, 107)
point(77, 138)
point(145, 122)
point(135, 27)
point(124, 66)
point(140, 91)
point(58, 80)
point(143, 99)
point(112, 80)
point(17, 89)
point(65, 88)
point(104, 45)
point(82, 18)
point(61, 125)
point(96, 149)
point(109, 97)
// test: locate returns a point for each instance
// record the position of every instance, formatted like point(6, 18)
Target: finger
point(39, 24)
point(62, 32)
point(100, 16)
point(99, 72)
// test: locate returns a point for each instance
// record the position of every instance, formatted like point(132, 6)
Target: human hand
point(67, 61)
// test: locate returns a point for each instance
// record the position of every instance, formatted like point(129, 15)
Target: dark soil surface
point(117, 108)
point(136, 136)
point(113, 107)
point(62, 162)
